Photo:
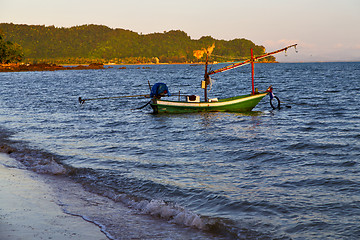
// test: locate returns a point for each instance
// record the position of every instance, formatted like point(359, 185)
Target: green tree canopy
point(9, 52)
point(91, 43)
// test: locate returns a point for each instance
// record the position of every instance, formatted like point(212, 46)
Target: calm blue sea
point(292, 173)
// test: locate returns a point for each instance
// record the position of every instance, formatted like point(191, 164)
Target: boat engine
point(159, 90)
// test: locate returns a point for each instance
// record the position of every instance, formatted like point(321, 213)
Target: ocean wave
point(36, 161)
point(155, 207)
point(46, 163)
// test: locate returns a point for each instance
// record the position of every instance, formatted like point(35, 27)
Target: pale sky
point(325, 30)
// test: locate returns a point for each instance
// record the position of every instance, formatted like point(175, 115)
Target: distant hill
point(98, 43)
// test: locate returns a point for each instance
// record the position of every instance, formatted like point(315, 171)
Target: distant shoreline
point(15, 67)
point(22, 67)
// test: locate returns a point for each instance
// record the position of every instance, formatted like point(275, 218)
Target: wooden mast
point(252, 72)
point(199, 54)
point(206, 76)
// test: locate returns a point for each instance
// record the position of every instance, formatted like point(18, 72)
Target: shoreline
point(22, 67)
point(43, 206)
point(16, 67)
point(29, 209)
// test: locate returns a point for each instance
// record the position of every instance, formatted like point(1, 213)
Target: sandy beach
point(43, 206)
point(29, 209)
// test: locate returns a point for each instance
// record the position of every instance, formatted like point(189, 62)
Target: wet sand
point(29, 209)
point(43, 206)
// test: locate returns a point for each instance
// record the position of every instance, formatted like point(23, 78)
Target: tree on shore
point(9, 52)
point(98, 43)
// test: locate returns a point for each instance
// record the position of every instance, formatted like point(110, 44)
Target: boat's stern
point(154, 106)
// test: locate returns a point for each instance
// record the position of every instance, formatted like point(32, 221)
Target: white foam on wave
point(169, 212)
point(51, 167)
point(159, 208)
point(39, 163)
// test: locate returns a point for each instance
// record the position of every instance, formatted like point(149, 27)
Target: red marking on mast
point(252, 71)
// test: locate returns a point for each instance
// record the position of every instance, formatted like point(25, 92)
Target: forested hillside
point(9, 52)
point(97, 43)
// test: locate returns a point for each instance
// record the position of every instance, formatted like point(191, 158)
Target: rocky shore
point(15, 67)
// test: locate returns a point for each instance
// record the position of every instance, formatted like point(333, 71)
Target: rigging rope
point(235, 65)
point(230, 58)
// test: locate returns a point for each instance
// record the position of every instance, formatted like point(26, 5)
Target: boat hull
point(243, 103)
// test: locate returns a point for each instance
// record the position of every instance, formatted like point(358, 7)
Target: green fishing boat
point(243, 103)
point(192, 103)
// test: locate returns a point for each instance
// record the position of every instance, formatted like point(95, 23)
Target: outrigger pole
point(82, 101)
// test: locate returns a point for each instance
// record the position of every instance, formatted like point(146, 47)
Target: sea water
point(289, 173)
